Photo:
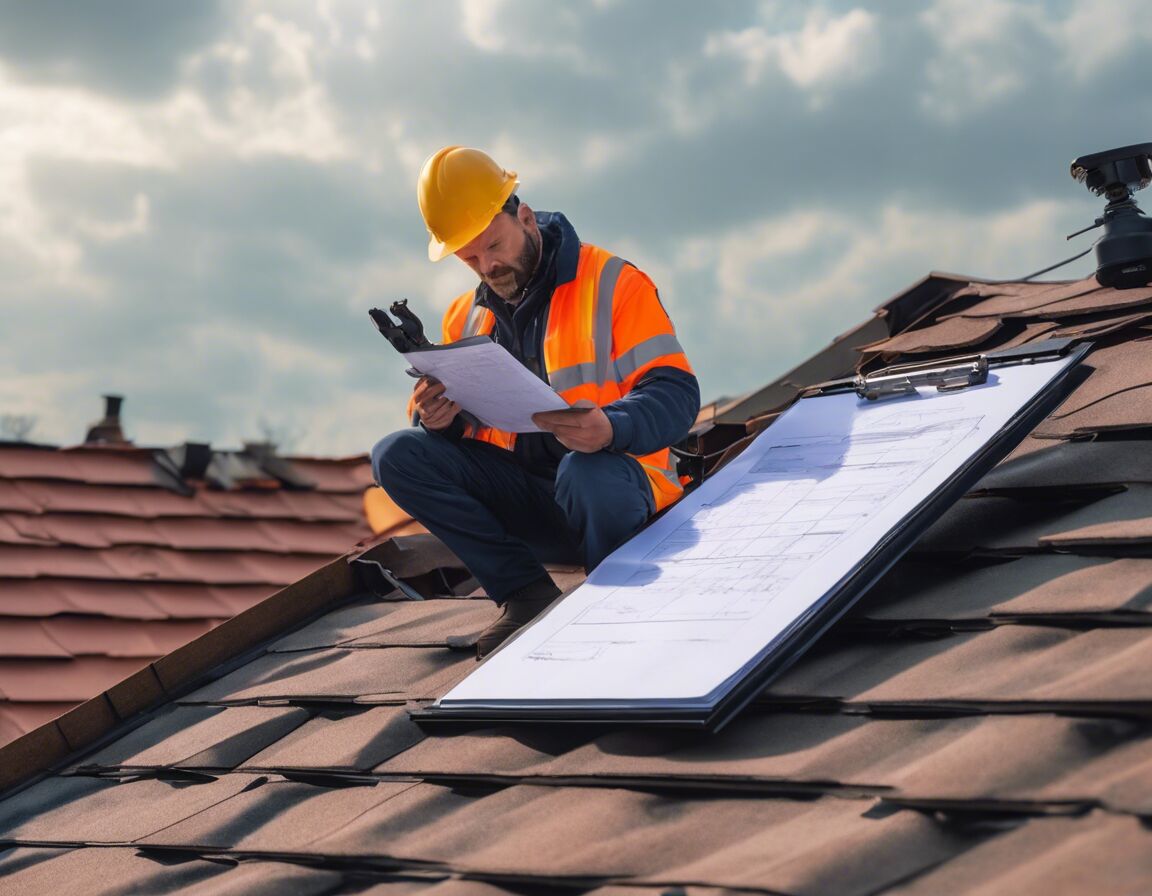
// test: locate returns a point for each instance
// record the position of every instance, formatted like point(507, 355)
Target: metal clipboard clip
point(946, 374)
point(903, 379)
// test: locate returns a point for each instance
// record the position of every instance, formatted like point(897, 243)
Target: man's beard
point(507, 282)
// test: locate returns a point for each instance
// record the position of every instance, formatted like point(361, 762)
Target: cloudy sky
point(199, 201)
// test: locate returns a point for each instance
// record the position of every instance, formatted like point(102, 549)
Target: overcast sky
point(200, 201)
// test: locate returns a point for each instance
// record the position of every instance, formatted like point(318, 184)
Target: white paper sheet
point(485, 380)
point(682, 610)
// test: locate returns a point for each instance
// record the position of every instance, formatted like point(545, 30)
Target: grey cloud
point(240, 248)
point(128, 47)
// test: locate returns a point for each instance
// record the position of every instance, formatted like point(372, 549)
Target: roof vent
point(1124, 252)
point(107, 431)
point(193, 458)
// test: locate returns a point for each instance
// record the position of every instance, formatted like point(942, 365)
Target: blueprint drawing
point(689, 604)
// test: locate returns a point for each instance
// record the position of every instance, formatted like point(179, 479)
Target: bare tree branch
point(16, 427)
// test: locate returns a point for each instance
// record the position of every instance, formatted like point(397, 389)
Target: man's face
point(505, 255)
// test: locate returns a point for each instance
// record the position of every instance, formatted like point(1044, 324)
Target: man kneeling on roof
point(589, 324)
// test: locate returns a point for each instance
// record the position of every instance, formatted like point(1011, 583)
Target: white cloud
point(744, 261)
point(293, 60)
point(41, 395)
point(982, 53)
point(987, 52)
point(64, 125)
point(1098, 32)
point(274, 103)
point(550, 32)
point(355, 420)
point(825, 51)
point(110, 230)
point(74, 125)
point(428, 287)
point(480, 21)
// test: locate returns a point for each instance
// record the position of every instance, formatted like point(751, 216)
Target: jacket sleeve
point(662, 394)
point(658, 412)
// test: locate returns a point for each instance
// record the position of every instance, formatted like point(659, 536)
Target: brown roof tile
point(62, 681)
point(1099, 300)
point(116, 599)
point(554, 832)
point(201, 737)
point(116, 869)
point(396, 624)
point(29, 638)
point(1125, 518)
point(1115, 396)
point(123, 638)
point(1059, 465)
point(1012, 299)
point(349, 475)
point(1100, 853)
point(101, 466)
point(339, 741)
point(1007, 665)
point(1034, 585)
point(289, 814)
point(1006, 524)
point(954, 333)
point(1032, 331)
point(384, 675)
point(41, 496)
point(127, 564)
point(25, 717)
point(1127, 409)
point(557, 833)
point(12, 497)
point(92, 810)
point(1045, 760)
point(1094, 328)
point(186, 534)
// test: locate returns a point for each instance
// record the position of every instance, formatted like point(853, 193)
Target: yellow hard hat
point(460, 191)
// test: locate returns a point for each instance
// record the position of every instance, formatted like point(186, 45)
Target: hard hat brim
point(441, 249)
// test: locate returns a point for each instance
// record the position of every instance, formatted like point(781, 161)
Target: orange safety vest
point(606, 329)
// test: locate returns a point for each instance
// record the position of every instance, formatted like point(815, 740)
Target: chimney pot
point(107, 431)
point(112, 404)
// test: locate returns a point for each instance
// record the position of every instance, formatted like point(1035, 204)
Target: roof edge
point(969, 278)
point(53, 744)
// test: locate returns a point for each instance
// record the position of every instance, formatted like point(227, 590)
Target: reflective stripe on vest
point(602, 329)
point(626, 365)
point(475, 322)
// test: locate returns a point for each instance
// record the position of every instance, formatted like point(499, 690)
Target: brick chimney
point(107, 431)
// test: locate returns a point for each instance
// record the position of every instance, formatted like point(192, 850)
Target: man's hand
point(436, 412)
point(585, 428)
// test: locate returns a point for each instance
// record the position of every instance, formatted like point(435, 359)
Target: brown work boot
point(520, 608)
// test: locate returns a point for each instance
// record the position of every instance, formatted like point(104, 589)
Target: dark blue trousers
point(503, 521)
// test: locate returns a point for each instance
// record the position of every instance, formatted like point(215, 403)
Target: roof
point(111, 558)
point(982, 721)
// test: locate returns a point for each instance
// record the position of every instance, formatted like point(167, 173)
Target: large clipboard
point(808, 627)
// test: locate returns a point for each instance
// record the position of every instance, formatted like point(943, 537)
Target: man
point(589, 324)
